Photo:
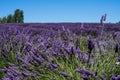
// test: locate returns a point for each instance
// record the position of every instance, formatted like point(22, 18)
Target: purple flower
point(10, 74)
point(25, 74)
point(103, 18)
point(84, 77)
point(115, 77)
point(85, 71)
point(118, 76)
point(90, 44)
point(6, 78)
point(38, 59)
point(70, 49)
point(25, 61)
point(53, 66)
point(79, 70)
point(116, 48)
point(63, 28)
point(78, 52)
point(118, 58)
point(65, 74)
point(88, 72)
point(67, 50)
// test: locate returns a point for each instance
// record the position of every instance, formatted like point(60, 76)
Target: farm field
point(59, 51)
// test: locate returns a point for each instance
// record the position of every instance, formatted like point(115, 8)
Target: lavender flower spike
point(118, 58)
point(84, 77)
point(85, 71)
point(65, 74)
point(90, 44)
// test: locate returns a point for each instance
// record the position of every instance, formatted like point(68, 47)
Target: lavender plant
point(44, 53)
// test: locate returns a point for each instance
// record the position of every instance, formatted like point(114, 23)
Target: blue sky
point(63, 10)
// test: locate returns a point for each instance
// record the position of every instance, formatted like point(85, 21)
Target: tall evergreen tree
point(18, 16)
point(10, 18)
point(21, 17)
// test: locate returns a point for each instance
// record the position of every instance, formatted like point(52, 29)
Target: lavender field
point(59, 51)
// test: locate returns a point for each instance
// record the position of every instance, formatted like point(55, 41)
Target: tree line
point(118, 22)
point(17, 17)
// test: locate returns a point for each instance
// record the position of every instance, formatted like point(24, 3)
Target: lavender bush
point(32, 53)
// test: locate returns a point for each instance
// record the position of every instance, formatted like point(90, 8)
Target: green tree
point(4, 20)
point(10, 18)
point(18, 16)
point(21, 17)
point(16, 13)
point(118, 22)
point(0, 20)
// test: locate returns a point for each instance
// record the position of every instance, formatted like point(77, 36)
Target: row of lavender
point(27, 51)
point(75, 27)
